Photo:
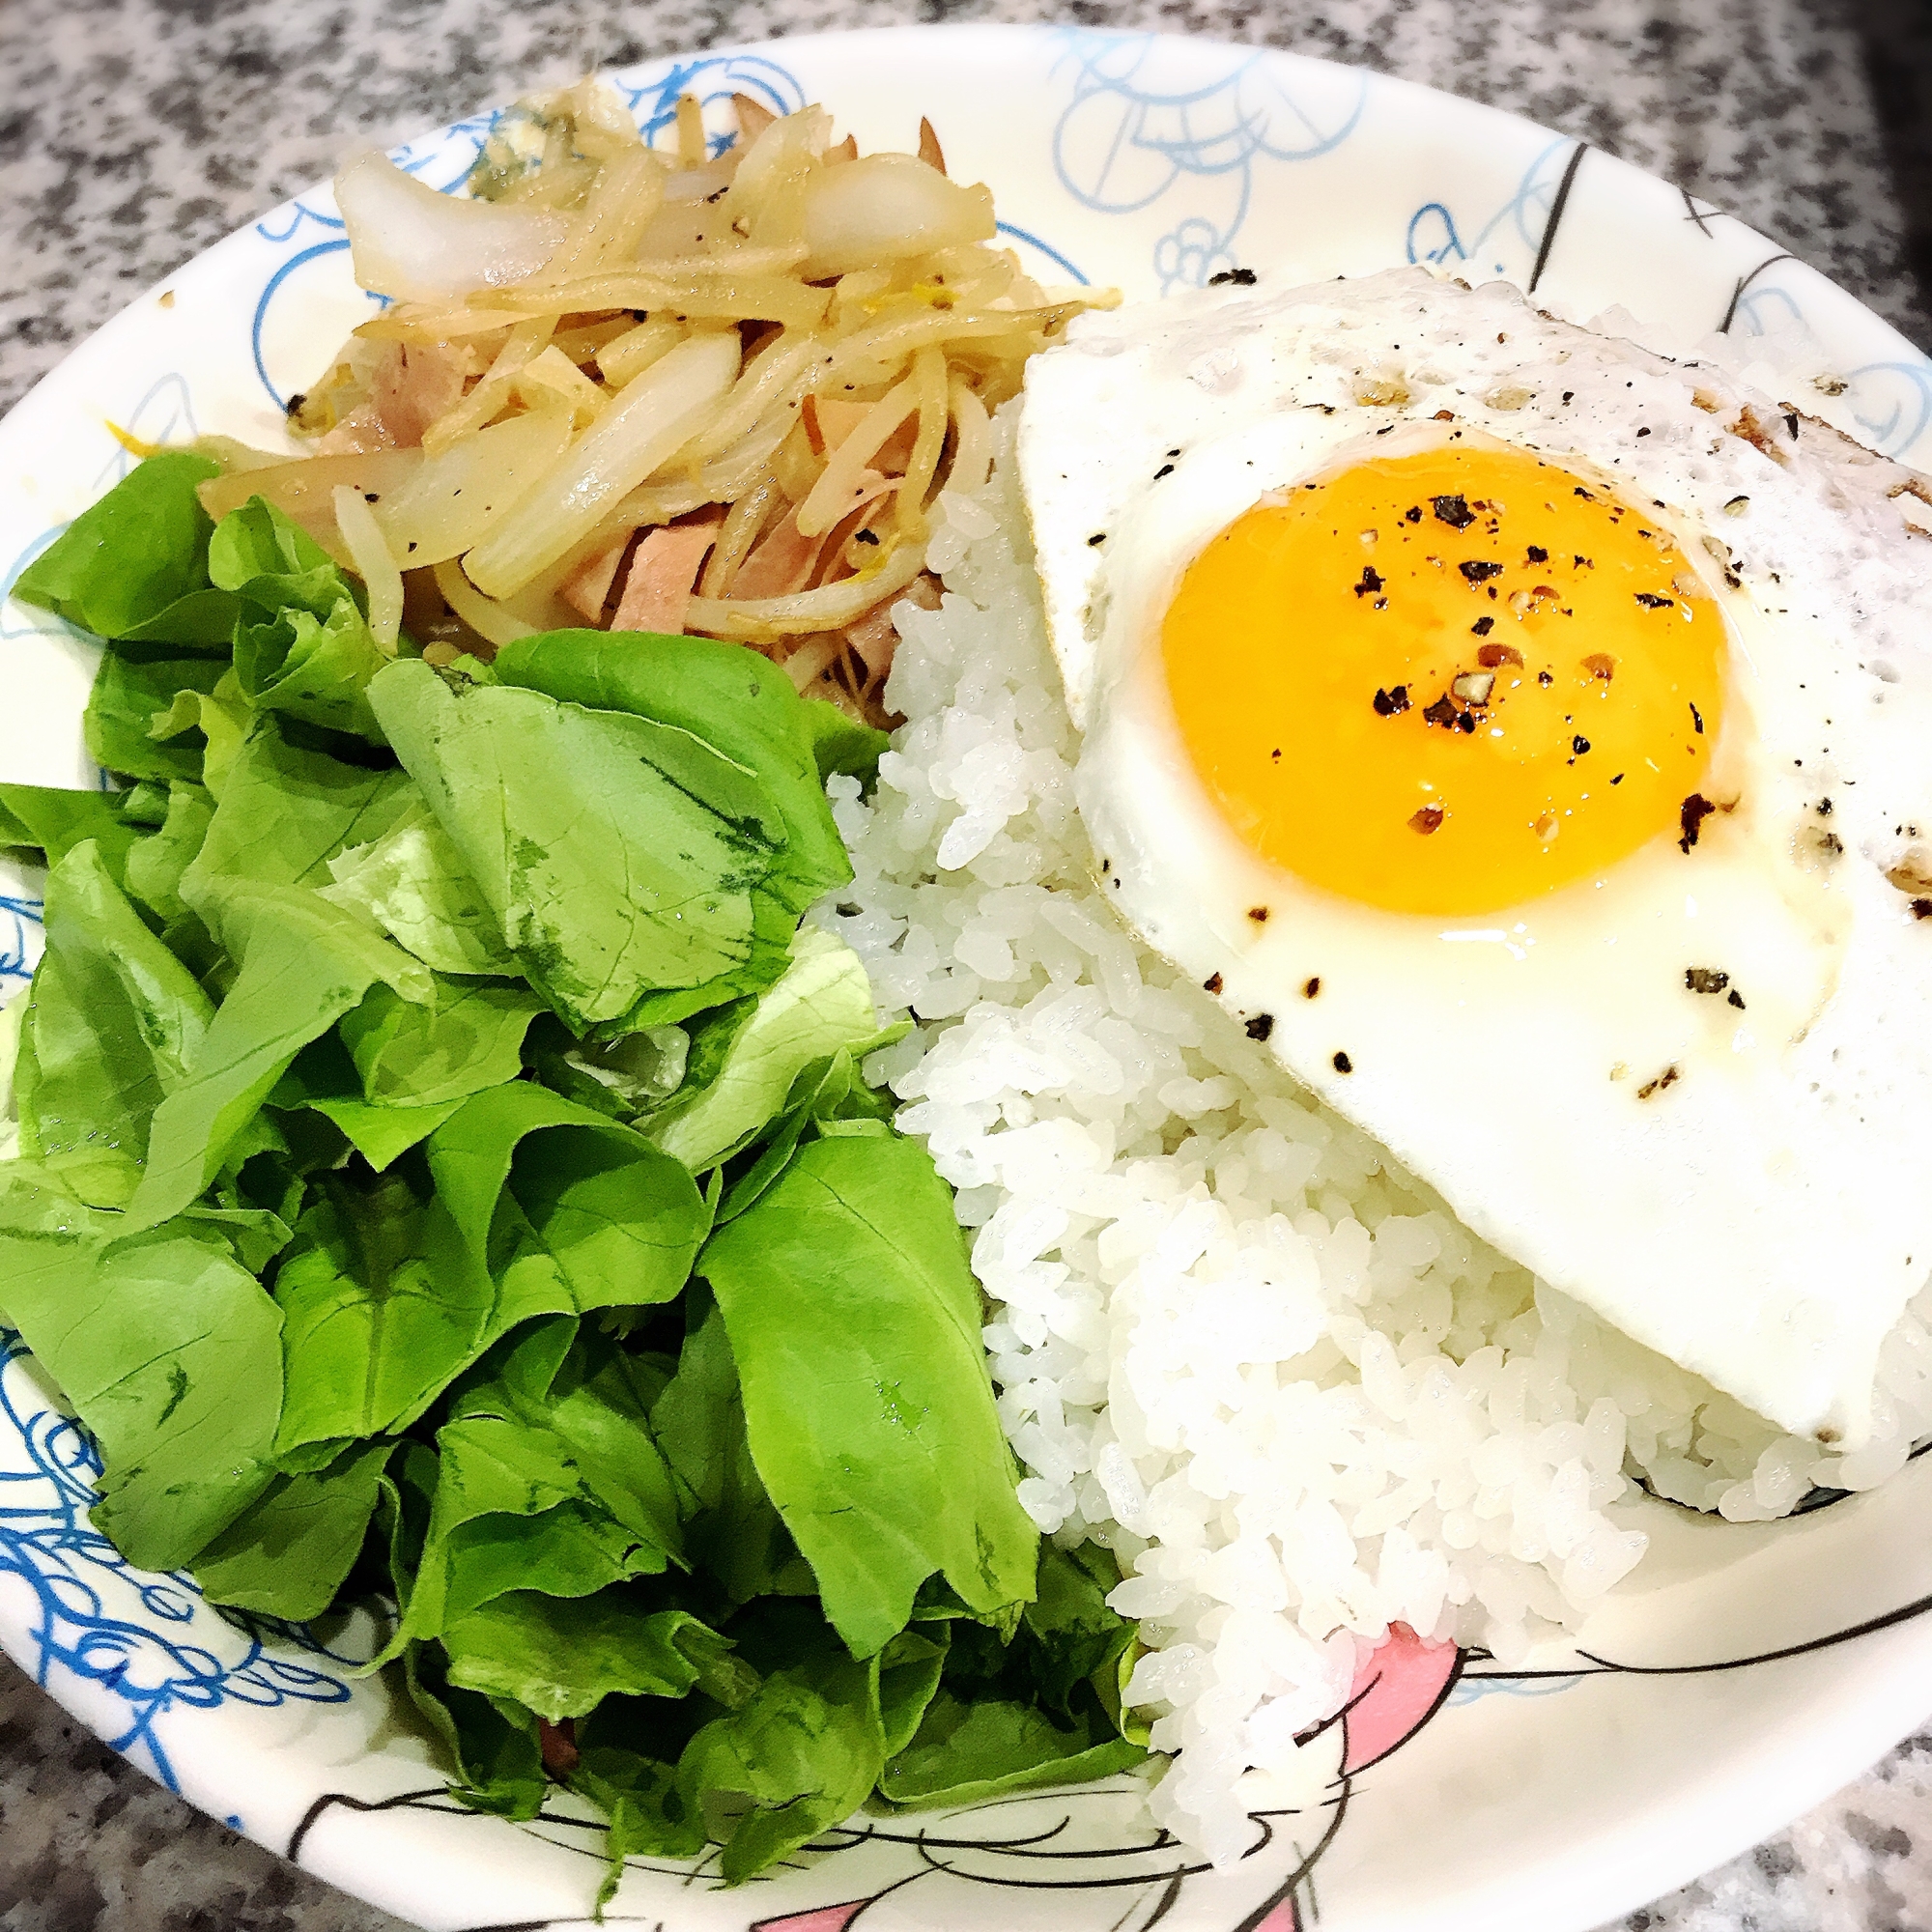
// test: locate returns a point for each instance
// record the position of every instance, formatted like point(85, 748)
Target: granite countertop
point(136, 132)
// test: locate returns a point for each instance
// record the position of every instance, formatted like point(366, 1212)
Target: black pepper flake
point(866, 537)
point(1537, 553)
point(1274, 756)
point(716, 195)
point(1261, 1026)
point(1791, 423)
point(1569, 395)
point(1313, 987)
point(371, 496)
point(1241, 278)
point(1618, 779)
point(1579, 744)
point(1705, 980)
point(1413, 515)
point(1165, 470)
point(1454, 511)
point(1921, 908)
point(1465, 722)
point(1698, 718)
point(1343, 1063)
point(1824, 807)
point(1441, 712)
point(1483, 626)
point(1426, 819)
point(294, 404)
point(1259, 914)
point(1479, 569)
point(1392, 703)
point(1736, 999)
point(1212, 984)
point(1098, 537)
point(1643, 431)
point(1651, 601)
point(1370, 581)
point(1667, 1079)
point(1544, 678)
point(1691, 815)
point(1579, 491)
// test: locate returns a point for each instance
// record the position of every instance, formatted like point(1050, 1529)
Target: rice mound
point(1233, 1340)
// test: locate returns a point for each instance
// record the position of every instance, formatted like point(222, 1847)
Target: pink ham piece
point(787, 561)
point(664, 568)
point(587, 588)
point(415, 383)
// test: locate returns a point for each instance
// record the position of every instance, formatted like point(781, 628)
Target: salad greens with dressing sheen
point(445, 1178)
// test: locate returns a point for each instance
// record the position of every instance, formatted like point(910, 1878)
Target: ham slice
point(785, 561)
point(664, 568)
point(415, 383)
point(587, 588)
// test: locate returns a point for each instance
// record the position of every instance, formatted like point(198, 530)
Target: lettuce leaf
point(286, 811)
point(869, 1410)
point(302, 964)
point(538, 1207)
point(169, 1350)
point(134, 565)
point(801, 1756)
point(128, 724)
point(113, 1025)
point(289, 1552)
point(154, 866)
point(744, 1058)
point(548, 1480)
point(561, 1657)
point(410, 883)
point(740, 704)
point(605, 878)
point(52, 821)
point(965, 1751)
point(410, 1055)
point(303, 643)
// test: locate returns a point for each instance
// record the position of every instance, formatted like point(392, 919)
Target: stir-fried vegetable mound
point(715, 392)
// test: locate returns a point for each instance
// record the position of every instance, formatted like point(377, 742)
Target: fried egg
point(1530, 739)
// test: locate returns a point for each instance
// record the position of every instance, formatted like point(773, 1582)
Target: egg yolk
point(1448, 681)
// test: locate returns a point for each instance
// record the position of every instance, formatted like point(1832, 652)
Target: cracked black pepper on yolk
point(1545, 641)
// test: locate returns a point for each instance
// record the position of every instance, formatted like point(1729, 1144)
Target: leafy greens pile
point(444, 1175)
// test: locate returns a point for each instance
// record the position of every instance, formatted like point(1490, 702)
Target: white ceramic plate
point(1739, 1677)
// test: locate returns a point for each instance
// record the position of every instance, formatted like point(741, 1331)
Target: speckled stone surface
point(136, 132)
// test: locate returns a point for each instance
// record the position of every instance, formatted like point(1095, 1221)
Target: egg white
point(1761, 1215)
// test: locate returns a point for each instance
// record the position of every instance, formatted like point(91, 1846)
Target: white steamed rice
point(1232, 1340)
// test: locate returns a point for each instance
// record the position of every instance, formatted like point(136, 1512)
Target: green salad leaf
point(114, 1023)
point(745, 1057)
point(52, 821)
point(135, 566)
point(606, 880)
point(871, 1420)
point(129, 723)
point(169, 1350)
point(303, 643)
point(445, 1182)
point(410, 883)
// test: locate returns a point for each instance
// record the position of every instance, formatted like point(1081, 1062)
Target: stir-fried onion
point(629, 386)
